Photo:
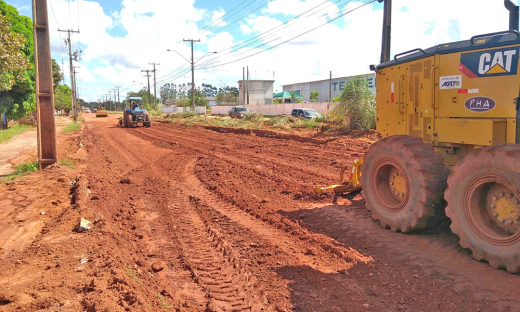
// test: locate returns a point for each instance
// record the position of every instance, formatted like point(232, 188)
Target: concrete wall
point(260, 92)
point(322, 86)
point(274, 109)
point(177, 109)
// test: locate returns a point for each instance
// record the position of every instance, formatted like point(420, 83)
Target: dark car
point(306, 113)
point(238, 112)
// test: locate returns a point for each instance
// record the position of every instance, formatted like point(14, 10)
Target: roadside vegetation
point(72, 127)
point(354, 109)
point(5, 135)
point(21, 170)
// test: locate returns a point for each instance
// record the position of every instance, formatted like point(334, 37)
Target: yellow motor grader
point(449, 117)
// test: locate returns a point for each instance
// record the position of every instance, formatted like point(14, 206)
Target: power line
point(202, 30)
point(306, 32)
point(264, 35)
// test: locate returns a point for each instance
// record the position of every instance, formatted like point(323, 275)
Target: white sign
point(450, 82)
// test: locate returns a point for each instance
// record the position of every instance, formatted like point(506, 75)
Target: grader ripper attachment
point(449, 117)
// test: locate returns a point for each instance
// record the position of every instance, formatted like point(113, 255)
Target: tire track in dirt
point(210, 257)
point(327, 263)
point(224, 152)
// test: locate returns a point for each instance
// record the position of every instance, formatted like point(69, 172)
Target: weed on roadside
point(72, 127)
point(164, 302)
point(67, 162)
point(134, 275)
point(21, 170)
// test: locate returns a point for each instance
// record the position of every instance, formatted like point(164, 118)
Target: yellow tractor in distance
point(449, 117)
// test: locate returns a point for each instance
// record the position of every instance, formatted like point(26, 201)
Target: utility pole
point(147, 71)
point(244, 84)
point(72, 82)
point(247, 94)
point(118, 100)
point(330, 87)
point(192, 73)
point(154, 83)
point(387, 30)
point(44, 88)
point(76, 88)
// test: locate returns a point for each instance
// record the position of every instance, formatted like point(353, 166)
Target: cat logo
point(490, 63)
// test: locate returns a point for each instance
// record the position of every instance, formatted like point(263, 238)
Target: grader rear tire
point(483, 198)
point(403, 182)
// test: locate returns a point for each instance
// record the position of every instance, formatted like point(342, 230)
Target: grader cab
point(449, 117)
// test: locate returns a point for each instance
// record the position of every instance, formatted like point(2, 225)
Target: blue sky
point(119, 38)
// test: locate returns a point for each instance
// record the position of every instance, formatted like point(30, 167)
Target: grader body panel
point(457, 96)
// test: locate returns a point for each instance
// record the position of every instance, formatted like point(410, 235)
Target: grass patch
point(67, 162)
point(72, 127)
point(115, 112)
point(11, 132)
point(21, 170)
point(164, 302)
point(134, 275)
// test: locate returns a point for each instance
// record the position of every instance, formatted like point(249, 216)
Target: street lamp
point(192, 72)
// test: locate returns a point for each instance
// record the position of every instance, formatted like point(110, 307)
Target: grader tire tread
point(428, 176)
point(506, 154)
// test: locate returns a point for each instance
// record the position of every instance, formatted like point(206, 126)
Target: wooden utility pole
point(147, 71)
point(47, 154)
point(387, 31)
point(72, 82)
point(192, 73)
point(154, 84)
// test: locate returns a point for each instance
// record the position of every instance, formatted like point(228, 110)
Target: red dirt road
point(193, 219)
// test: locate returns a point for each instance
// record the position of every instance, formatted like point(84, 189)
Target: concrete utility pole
point(147, 71)
point(387, 30)
point(76, 88)
point(154, 83)
point(47, 154)
point(247, 86)
point(244, 83)
point(330, 87)
point(118, 100)
point(192, 73)
point(72, 82)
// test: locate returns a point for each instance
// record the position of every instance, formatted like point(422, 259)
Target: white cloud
point(149, 27)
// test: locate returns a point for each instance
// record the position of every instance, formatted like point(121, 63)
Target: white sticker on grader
point(450, 82)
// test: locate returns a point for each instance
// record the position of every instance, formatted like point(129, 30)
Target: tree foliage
point(62, 98)
point(12, 61)
point(57, 76)
point(314, 96)
point(356, 107)
point(17, 92)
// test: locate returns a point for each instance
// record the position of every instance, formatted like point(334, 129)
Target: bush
point(72, 127)
point(356, 107)
point(22, 169)
point(252, 116)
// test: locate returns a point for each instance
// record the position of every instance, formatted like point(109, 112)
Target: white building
point(255, 92)
point(336, 85)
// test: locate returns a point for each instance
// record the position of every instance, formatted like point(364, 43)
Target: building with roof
point(335, 85)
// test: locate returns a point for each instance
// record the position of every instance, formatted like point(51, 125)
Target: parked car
point(87, 110)
point(238, 112)
point(306, 113)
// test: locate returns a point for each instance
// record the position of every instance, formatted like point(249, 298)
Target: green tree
point(356, 107)
point(12, 60)
point(56, 74)
point(62, 98)
point(19, 98)
point(314, 96)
